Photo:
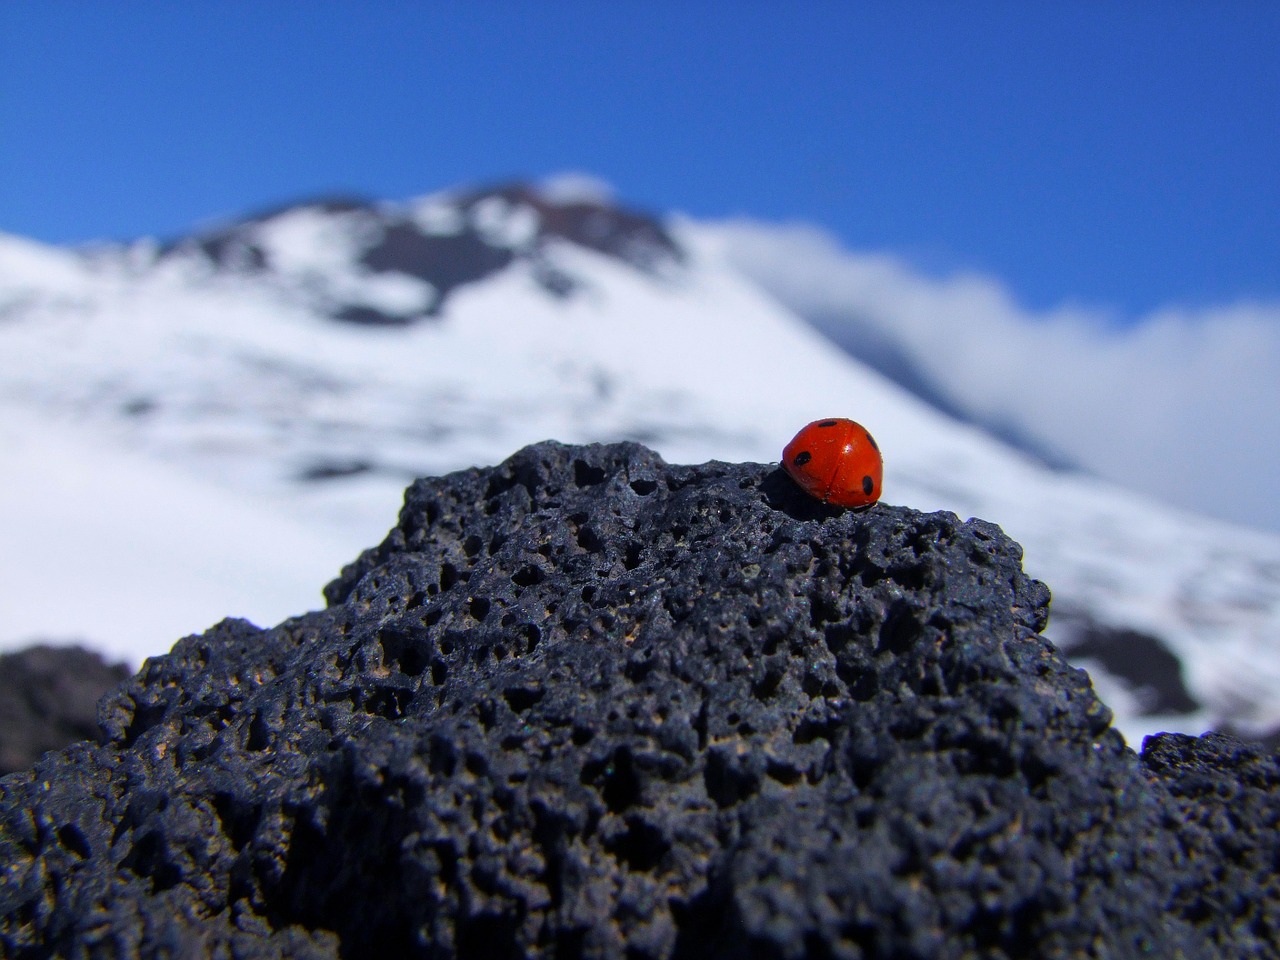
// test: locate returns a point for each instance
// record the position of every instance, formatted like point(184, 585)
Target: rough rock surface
point(49, 698)
point(586, 704)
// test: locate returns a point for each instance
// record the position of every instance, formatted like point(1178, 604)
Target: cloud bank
point(1183, 404)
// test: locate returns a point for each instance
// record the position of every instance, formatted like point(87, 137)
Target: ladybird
point(837, 461)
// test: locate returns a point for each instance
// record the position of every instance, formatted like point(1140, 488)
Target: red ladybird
point(836, 461)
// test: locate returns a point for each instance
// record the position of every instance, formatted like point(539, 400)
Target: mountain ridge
point(445, 241)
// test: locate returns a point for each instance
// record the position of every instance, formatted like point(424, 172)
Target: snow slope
point(282, 379)
point(102, 544)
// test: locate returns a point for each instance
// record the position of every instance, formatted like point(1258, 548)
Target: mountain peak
point(398, 263)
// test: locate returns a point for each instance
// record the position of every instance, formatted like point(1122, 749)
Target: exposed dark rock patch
point(446, 262)
point(1146, 665)
point(336, 469)
point(49, 698)
point(365, 316)
point(586, 704)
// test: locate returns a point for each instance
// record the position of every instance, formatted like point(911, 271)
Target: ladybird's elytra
point(837, 461)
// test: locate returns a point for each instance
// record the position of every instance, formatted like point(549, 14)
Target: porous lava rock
point(49, 697)
point(586, 704)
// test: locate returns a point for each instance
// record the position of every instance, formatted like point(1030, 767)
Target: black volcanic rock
point(586, 704)
point(1224, 796)
point(48, 698)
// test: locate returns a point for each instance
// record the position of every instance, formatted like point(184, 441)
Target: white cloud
point(1184, 404)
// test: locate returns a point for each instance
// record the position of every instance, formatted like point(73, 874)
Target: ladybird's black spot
point(801, 458)
point(872, 441)
point(868, 485)
point(828, 423)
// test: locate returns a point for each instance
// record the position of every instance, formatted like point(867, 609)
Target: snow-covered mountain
point(215, 420)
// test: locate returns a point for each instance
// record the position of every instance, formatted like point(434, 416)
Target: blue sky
point(1120, 155)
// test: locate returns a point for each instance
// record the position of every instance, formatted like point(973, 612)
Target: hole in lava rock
point(386, 702)
point(403, 650)
point(259, 733)
point(729, 780)
point(528, 576)
point(616, 778)
point(863, 685)
point(585, 475)
point(900, 629)
point(498, 484)
point(145, 716)
point(448, 576)
point(782, 772)
point(149, 859)
point(641, 846)
point(442, 755)
point(767, 685)
point(72, 838)
point(532, 636)
point(487, 934)
point(588, 540)
point(520, 699)
point(239, 820)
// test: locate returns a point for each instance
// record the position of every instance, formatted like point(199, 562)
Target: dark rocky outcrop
point(1151, 671)
point(48, 698)
point(586, 704)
